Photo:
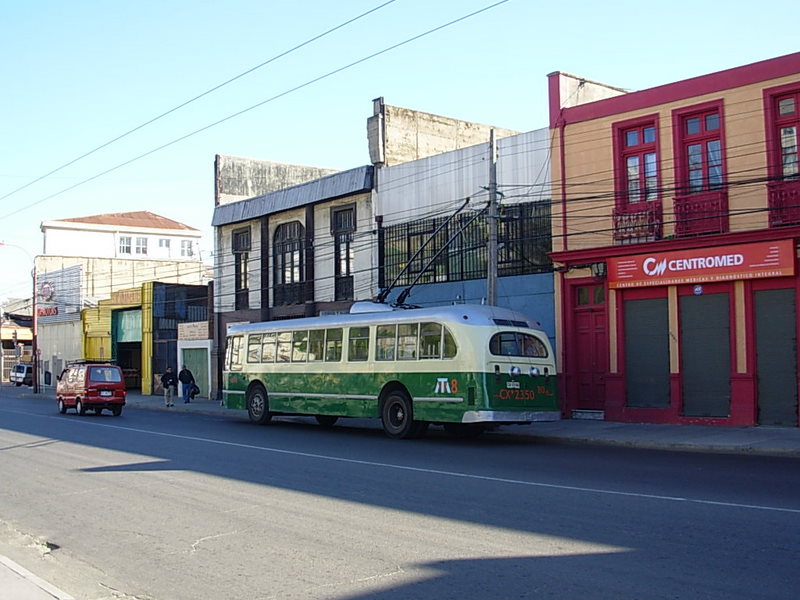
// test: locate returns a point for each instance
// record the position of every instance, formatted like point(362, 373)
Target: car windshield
point(104, 374)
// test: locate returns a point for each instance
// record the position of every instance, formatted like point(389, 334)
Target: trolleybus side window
point(407, 335)
point(358, 347)
point(300, 346)
point(235, 353)
point(385, 342)
point(430, 340)
point(449, 348)
point(316, 344)
point(510, 343)
point(268, 347)
point(333, 345)
point(284, 346)
point(254, 349)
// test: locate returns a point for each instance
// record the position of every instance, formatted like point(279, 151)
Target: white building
point(137, 235)
point(86, 259)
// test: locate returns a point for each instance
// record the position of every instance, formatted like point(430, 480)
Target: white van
point(21, 373)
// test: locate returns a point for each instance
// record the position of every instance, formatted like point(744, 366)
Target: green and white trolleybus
point(462, 367)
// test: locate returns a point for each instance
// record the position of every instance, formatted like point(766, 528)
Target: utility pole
point(491, 216)
point(35, 332)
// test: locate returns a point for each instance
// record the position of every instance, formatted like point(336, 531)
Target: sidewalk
point(20, 584)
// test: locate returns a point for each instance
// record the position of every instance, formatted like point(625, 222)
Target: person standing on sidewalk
point(187, 382)
point(170, 383)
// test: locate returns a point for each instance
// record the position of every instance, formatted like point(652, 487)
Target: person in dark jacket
point(187, 383)
point(170, 383)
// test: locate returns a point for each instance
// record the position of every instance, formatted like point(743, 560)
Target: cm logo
point(654, 268)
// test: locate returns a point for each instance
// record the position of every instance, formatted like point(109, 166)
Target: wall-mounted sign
point(197, 330)
point(131, 296)
point(46, 291)
point(47, 311)
point(703, 265)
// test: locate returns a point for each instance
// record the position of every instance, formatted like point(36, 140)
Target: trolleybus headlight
point(533, 371)
point(497, 372)
point(514, 371)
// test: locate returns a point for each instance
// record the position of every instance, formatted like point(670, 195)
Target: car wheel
point(79, 407)
point(18, 384)
point(62, 408)
point(258, 405)
point(116, 411)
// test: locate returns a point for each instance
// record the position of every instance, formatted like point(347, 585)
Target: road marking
point(455, 474)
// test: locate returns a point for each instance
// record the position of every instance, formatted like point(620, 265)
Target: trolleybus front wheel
point(258, 405)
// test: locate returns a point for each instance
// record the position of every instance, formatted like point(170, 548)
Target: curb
point(742, 450)
point(34, 580)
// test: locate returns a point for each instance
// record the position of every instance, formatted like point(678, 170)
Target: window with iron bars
point(343, 225)
point(288, 264)
point(524, 239)
point(241, 253)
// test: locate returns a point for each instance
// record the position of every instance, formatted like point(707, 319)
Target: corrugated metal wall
point(147, 338)
point(97, 332)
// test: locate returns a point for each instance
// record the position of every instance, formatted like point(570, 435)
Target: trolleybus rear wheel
point(397, 415)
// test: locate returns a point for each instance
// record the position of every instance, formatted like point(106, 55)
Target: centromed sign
point(702, 265)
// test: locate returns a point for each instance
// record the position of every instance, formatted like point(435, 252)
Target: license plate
point(105, 393)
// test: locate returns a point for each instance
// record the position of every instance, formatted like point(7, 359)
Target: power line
point(187, 102)
point(259, 104)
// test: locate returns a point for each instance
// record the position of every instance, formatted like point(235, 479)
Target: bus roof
point(470, 314)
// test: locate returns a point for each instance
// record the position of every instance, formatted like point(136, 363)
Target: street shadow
point(501, 482)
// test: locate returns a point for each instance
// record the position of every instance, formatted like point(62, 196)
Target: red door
point(589, 346)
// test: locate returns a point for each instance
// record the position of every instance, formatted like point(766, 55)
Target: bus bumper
point(500, 416)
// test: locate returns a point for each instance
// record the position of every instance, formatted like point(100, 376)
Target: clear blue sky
point(78, 74)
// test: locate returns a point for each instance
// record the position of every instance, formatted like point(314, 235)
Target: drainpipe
point(563, 167)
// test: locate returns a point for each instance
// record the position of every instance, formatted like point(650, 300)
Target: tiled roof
point(138, 219)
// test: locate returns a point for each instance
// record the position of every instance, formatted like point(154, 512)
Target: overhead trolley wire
point(262, 103)
point(187, 102)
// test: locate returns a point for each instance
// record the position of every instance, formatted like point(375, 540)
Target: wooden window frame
point(624, 151)
point(683, 140)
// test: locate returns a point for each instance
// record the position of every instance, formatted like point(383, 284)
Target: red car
point(91, 386)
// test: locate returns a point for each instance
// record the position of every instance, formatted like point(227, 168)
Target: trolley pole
point(492, 216)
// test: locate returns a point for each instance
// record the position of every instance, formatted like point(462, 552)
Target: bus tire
point(397, 415)
point(258, 405)
point(326, 421)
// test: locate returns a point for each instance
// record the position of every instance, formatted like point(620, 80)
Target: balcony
point(701, 213)
point(290, 293)
point(343, 288)
point(784, 202)
point(637, 223)
point(242, 299)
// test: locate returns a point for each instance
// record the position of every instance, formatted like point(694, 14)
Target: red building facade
point(676, 219)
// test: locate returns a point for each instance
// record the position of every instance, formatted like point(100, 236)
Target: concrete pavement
point(20, 584)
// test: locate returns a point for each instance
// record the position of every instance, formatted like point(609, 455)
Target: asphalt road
point(171, 506)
